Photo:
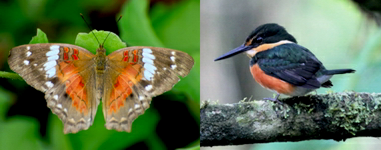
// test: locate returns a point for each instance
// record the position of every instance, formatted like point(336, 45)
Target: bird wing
point(291, 63)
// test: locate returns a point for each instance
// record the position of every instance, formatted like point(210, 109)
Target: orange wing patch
point(125, 56)
point(75, 54)
point(66, 55)
point(75, 86)
point(122, 86)
point(135, 52)
point(270, 82)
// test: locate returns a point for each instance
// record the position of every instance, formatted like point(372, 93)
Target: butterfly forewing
point(63, 72)
point(134, 75)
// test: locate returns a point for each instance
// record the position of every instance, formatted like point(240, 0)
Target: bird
point(279, 64)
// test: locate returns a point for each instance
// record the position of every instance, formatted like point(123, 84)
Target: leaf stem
point(10, 75)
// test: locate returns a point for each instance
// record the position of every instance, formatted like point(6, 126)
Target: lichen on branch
point(335, 116)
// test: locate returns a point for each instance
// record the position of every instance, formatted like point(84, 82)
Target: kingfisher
point(279, 64)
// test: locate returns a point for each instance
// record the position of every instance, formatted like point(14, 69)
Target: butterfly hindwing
point(136, 74)
point(63, 72)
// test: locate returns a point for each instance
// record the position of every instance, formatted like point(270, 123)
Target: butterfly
point(74, 80)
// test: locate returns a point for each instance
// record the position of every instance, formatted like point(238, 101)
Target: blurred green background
point(337, 32)
point(171, 122)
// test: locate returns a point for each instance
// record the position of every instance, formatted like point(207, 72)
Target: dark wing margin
point(291, 63)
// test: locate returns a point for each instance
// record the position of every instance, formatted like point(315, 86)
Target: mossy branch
point(10, 75)
point(336, 116)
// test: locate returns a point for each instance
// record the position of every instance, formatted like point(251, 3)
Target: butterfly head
point(101, 50)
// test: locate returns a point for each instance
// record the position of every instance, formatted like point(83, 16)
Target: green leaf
point(179, 26)
point(58, 140)
point(65, 13)
point(10, 75)
point(32, 9)
point(39, 38)
point(6, 98)
point(17, 132)
point(154, 142)
point(20, 133)
point(135, 26)
point(89, 41)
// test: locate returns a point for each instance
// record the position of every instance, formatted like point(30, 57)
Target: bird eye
point(258, 40)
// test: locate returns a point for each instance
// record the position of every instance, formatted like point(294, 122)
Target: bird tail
point(338, 71)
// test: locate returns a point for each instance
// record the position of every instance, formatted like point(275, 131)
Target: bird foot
point(273, 99)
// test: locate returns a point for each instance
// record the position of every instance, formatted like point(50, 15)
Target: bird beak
point(235, 51)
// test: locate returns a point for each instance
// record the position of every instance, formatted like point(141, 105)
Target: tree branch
point(335, 116)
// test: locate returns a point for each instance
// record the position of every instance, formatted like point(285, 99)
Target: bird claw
point(273, 99)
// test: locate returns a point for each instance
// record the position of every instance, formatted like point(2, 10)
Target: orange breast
point(270, 82)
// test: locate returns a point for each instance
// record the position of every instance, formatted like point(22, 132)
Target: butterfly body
point(100, 60)
point(74, 80)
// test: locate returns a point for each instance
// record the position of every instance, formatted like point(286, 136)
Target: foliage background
point(337, 32)
point(173, 119)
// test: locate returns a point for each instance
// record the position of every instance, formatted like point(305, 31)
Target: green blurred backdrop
point(171, 122)
point(336, 31)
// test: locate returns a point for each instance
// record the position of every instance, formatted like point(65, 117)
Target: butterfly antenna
point(120, 17)
point(89, 28)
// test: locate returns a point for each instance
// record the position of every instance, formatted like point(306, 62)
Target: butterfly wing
point(65, 74)
point(136, 74)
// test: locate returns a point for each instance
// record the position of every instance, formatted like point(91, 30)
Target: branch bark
point(336, 116)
